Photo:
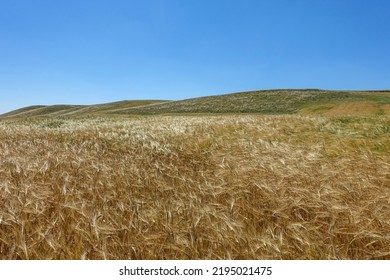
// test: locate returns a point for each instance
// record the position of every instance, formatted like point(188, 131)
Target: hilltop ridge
point(276, 101)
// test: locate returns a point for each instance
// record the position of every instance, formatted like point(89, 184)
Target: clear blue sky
point(85, 52)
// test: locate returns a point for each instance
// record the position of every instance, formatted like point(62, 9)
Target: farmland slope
point(75, 110)
point(267, 102)
point(284, 101)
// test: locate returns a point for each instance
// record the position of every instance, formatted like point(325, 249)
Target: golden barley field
point(196, 187)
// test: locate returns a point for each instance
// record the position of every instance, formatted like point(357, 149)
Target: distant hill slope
point(265, 101)
point(284, 101)
point(76, 110)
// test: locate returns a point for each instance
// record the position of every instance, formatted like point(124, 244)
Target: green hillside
point(75, 110)
point(266, 102)
point(284, 101)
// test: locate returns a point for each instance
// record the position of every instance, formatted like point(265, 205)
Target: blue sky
point(86, 52)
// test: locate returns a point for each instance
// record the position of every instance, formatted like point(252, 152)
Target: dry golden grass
point(193, 187)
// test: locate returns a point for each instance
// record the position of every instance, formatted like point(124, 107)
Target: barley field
point(195, 187)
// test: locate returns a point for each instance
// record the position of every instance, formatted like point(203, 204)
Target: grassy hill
point(284, 101)
point(75, 110)
point(266, 102)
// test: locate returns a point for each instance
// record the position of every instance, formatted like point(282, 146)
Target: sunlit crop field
point(196, 187)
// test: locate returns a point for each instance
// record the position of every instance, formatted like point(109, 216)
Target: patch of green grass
point(380, 112)
point(55, 123)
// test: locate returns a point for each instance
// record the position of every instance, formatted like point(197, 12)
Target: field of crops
point(196, 187)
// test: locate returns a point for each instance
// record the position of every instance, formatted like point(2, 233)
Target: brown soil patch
point(386, 108)
point(353, 109)
point(347, 109)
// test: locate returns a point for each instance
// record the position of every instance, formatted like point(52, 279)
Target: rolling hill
point(284, 101)
point(76, 110)
point(267, 102)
